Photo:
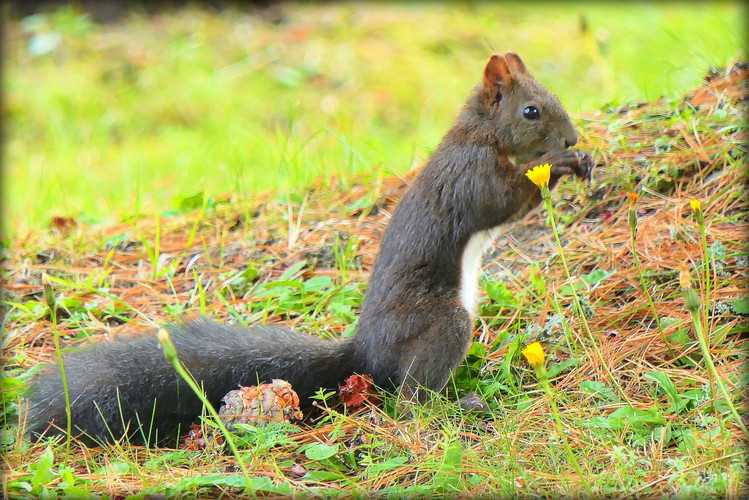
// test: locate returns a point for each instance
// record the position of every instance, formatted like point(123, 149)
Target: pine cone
point(258, 405)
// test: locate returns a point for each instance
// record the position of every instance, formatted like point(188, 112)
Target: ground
point(641, 409)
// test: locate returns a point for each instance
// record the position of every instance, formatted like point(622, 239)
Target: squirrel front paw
point(568, 162)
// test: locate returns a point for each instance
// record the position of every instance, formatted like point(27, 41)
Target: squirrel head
point(526, 119)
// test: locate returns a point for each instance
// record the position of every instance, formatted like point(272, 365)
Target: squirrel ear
point(515, 63)
point(497, 74)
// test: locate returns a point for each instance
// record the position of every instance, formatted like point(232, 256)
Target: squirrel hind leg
point(430, 368)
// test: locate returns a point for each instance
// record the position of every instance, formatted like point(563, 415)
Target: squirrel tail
point(127, 387)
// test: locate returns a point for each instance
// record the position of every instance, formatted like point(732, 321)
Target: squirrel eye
point(532, 113)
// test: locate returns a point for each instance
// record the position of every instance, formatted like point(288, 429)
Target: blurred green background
point(133, 116)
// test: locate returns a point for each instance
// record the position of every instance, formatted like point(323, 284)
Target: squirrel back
point(416, 321)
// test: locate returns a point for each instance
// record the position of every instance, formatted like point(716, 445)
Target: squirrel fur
point(416, 320)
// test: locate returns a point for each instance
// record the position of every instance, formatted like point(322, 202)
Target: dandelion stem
point(550, 208)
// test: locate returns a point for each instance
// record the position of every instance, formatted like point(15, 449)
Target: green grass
point(128, 118)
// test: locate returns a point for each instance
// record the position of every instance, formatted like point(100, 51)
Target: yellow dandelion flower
point(540, 175)
point(534, 353)
point(696, 205)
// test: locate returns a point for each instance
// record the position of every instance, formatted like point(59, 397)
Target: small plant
point(49, 295)
point(633, 197)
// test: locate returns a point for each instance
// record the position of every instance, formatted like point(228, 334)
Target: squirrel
point(417, 316)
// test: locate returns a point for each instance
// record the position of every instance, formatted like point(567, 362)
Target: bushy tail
point(128, 387)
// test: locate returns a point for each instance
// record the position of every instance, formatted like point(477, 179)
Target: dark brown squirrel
point(417, 317)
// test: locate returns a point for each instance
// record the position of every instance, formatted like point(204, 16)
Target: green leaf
point(292, 270)
point(230, 480)
point(453, 455)
point(323, 476)
point(189, 203)
point(319, 451)
point(283, 489)
point(669, 388)
point(76, 492)
point(623, 418)
point(506, 367)
point(740, 306)
point(602, 423)
point(448, 472)
point(499, 293)
point(566, 290)
point(719, 334)
point(560, 367)
point(286, 283)
point(599, 389)
point(252, 272)
point(649, 417)
point(116, 240)
point(595, 277)
point(360, 204)
point(317, 283)
point(681, 337)
point(477, 352)
point(43, 469)
point(388, 465)
point(8, 384)
point(23, 485)
point(47, 494)
point(69, 303)
point(537, 279)
point(590, 279)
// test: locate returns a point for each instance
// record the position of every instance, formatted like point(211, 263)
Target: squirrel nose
point(571, 141)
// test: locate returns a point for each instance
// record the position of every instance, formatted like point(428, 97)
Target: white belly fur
point(470, 264)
